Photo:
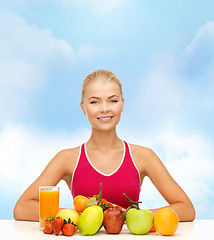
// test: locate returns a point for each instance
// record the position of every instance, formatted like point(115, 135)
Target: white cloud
point(28, 59)
point(99, 6)
point(19, 80)
point(176, 83)
point(160, 89)
point(21, 39)
point(24, 153)
point(26, 53)
point(188, 157)
point(198, 57)
point(203, 40)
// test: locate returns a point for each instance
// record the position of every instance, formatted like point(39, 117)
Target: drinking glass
point(48, 203)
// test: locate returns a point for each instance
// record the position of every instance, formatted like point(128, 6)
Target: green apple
point(139, 221)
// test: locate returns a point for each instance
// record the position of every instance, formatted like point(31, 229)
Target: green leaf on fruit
point(104, 206)
point(91, 201)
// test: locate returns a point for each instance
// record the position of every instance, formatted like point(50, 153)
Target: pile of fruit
point(90, 214)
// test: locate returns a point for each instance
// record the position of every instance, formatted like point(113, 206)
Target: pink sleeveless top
point(125, 179)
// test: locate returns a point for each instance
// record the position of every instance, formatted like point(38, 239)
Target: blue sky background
point(163, 53)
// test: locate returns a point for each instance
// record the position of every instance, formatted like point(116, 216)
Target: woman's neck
point(104, 140)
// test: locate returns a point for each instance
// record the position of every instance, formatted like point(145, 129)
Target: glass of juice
point(48, 203)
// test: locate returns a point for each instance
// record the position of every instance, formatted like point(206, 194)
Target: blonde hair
point(101, 74)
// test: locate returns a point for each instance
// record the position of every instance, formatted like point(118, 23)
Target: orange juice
point(48, 203)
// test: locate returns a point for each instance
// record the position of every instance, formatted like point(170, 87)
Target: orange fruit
point(166, 221)
point(80, 202)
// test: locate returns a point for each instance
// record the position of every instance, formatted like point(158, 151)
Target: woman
point(105, 158)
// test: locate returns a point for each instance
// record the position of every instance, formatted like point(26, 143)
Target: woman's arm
point(27, 207)
point(168, 188)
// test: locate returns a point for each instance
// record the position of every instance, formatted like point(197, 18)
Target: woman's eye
point(93, 102)
point(114, 101)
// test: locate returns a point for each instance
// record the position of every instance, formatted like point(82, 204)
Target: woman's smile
point(105, 119)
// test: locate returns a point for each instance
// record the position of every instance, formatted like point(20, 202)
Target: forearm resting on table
point(185, 212)
point(27, 211)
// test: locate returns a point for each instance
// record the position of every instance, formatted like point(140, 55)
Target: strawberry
point(105, 204)
point(110, 205)
point(68, 228)
point(103, 201)
point(57, 224)
point(48, 229)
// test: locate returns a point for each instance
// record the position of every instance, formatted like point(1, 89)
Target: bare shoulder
point(69, 152)
point(69, 155)
point(68, 159)
point(141, 151)
point(142, 156)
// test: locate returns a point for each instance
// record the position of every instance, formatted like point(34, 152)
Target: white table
point(199, 229)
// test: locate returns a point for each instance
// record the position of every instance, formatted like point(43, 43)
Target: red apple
point(113, 219)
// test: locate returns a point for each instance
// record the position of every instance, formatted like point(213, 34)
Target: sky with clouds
point(163, 53)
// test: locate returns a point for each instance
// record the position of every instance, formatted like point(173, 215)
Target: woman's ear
point(123, 104)
point(83, 109)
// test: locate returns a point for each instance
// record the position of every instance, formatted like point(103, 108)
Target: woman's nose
point(104, 107)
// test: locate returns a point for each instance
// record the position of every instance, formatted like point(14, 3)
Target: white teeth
point(105, 118)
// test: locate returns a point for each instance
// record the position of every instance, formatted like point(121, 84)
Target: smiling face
point(103, 104)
